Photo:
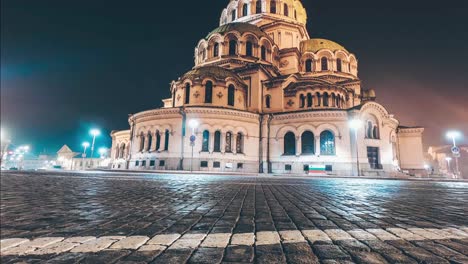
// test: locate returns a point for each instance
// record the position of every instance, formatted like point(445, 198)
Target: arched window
point(240, 143)
point(204, 54)
point(286, 10)
point(319, 101)
point(273, 7)
point(150, 141)
point(268, 101)
point(248, 48)
point(233, 15)
point(309, 100)
point(122, 151)
point(258, 7)
point(338, 104)
point(231, 92)
point(295, 14)
point(290, 144)
point(217, 141)
point(166, 140)
point(187, 93)
point(206, 141)
point(325, 99)
point(327, 143)
point(309, 65)
point(245, 10)
point(228, 147)
point(232, 47)
point(264, 53)
point(333, 99)
point(324, 61)
point(216, 50)
point(302, 101)
point(117, 154)
point(158, 140)
point(369, 129)
point(142, 141)
point(338, 65)
point(208, 92)
point(308, 145)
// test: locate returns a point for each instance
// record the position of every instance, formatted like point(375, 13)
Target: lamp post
point(94, 133)
point(193, 124)
point(355, 124)
point(83, 156)
point(448, 159)
point(453, 135)
point(102, 152)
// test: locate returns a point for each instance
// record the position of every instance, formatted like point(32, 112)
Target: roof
point(211, 71)
point(315, 45)
point(239, 27)
point(65, 149)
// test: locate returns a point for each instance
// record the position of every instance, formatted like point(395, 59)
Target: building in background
point(441, 162)
point(264, 96)
point(70, 160)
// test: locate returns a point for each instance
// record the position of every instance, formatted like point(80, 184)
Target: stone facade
point(268, 98)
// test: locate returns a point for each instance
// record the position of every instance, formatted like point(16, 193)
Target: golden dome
point(314, 45)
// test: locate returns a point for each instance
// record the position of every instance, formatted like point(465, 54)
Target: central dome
point(239, 27)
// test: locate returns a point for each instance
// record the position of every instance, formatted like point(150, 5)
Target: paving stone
point(56, 248)
point(105, 256)
point(245, 239)
point(382, 234)
point(11, 242)
point(188, 241)
point(425, 233)
point(353, 244)
point(173, 256)
point(315, 235)
point(66, 258)
point(405, 234)
point(79, 239)
point(338, 234)
point(207, 255)
point(330, 252)
point(95, 245)
point(272, 253)
point(165, 239)
point(216, 240)
point(299, 253)
point(267, 238)
point(292, 236)
point(239, 253)
point(132, 242)
point(368, 257)
point(361, 234)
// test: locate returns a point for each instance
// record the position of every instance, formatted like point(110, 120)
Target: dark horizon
point(68, 67)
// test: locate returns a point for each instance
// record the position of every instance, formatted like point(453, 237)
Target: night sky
point(67, 66)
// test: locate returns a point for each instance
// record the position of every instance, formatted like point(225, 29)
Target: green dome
point(314, 45)
point(211, 71)
point(239, 27)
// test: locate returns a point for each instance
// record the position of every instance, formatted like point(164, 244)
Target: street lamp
point(94, 133)
point(85, 146)
point(355, 124)
point(453, 135)
point(193, 124)
point(102, 152)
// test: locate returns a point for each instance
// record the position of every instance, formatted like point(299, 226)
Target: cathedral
point(265, 97)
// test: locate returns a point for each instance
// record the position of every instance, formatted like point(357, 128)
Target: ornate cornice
point(341, 114)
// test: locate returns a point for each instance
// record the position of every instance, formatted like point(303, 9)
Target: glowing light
point(193, 123)
point(85, 144)
point(95, 132)
point(448, 159)
point(102, 151)
point(453, 134)
point(355, 124)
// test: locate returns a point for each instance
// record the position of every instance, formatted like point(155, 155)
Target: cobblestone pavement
point(140, 218)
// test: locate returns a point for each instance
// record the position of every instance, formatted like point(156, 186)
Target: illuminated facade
point(268, 98)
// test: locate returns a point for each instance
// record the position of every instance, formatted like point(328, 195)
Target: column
point(222, 142)
point(317, 145)
point(298, 145)
point(145, 147)
point(153, 143)
point(211, 145)
point(162, 142)
point(234, 143)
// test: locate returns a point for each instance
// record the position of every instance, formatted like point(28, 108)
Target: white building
point(268, 98)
